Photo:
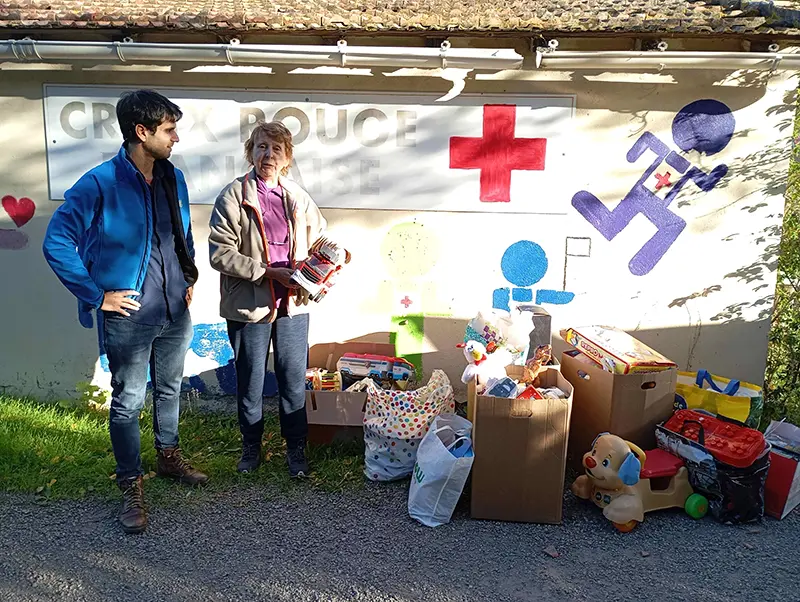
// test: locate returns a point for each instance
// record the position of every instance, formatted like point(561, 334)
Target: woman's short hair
point(274, 130)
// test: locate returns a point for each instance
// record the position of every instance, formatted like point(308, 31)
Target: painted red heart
point(20, 210)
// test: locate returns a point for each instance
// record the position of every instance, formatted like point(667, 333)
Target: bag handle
point(453, 444)
point(447, 427)
point(701, 435)
point(704, 376)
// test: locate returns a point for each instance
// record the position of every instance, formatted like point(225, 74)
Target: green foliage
point(91, 395)
point(783, 360)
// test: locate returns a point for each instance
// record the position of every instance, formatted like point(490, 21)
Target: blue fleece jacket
point(105, 219)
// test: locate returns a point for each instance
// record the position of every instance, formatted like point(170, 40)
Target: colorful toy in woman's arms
point(315, 274)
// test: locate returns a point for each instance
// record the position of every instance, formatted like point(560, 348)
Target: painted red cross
point(406, 302)
point(497, 153)
point(663, 180)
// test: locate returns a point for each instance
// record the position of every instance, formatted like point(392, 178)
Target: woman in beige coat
point(261, 226)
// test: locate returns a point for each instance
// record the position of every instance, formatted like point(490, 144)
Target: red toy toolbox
point(728, 442)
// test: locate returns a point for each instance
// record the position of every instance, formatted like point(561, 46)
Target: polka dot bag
point(396, 421)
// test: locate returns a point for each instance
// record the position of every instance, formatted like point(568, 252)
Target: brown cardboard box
point(337, 415)
point(512, 371)
point(627, 405)
point(520, 454)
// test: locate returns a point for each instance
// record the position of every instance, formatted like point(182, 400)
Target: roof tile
point(674, 16)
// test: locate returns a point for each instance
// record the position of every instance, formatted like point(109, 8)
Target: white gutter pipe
point(234, 53)
point(569, 60)
point(342, 55)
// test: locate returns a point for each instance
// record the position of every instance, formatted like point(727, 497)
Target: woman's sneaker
point(251, 457)
point(296, 458)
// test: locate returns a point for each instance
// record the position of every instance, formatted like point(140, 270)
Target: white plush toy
point(482, 365)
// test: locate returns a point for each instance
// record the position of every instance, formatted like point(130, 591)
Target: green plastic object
point(696, 506)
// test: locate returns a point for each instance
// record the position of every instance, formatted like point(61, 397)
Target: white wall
point(706, 303)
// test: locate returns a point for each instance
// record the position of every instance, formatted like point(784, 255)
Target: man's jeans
point(251, 342)
point(131, 348)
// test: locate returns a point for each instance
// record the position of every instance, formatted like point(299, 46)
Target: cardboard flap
point(335, 407)
point(325, 355)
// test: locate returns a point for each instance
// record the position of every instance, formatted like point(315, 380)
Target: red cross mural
point(497, 153)
point(663, 180)
point(406, 302)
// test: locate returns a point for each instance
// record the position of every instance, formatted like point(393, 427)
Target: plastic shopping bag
point(396, 421)
point(507, 330)
point(444, 460)
point(730, 398)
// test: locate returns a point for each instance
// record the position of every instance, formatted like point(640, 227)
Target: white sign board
point(359, 151)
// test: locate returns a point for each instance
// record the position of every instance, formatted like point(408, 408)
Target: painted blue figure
point(706, 126)
point(524, 264)
point(208, 341)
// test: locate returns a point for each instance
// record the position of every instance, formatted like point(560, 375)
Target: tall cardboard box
point(337, 415)
point(520, 454)
point(627, 405)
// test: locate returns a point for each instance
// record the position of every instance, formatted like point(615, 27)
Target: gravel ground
point(255, 545)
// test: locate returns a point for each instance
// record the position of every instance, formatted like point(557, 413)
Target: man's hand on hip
point(189, 293)
point(120, 301)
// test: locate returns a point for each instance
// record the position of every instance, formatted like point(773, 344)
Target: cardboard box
point(512, 371)
point(520, 454)
point(627, 405)
point(782, 489)
point(337, 415)
point(616, 350)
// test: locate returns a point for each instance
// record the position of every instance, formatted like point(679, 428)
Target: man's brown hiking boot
point(132, 515)
point(171, 464)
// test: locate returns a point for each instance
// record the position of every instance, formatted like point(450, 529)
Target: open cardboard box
point(338, 415)
point(520, 453)
point(627, 405)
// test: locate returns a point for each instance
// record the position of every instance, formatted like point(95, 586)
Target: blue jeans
point(131, 348)
point(251, 345)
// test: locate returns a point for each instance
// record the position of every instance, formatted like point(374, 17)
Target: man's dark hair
point(147, 107)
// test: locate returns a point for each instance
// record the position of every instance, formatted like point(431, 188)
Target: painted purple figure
point(704, 125)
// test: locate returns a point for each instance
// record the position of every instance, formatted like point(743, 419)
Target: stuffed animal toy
point(482, 365)
point(616, 482)
point(612, 469)
point(536, 365)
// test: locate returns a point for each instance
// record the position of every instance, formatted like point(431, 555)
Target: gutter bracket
point(443, 53)
point(118, 48)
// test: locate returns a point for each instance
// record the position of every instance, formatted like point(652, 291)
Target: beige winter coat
point(238, 248)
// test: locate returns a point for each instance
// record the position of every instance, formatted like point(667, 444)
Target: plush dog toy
point(612, 472)
point(618, 481)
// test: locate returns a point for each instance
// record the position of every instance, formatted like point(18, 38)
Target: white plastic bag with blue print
point(444, 460)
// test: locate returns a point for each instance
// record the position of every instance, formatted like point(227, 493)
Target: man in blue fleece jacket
point(122, 244)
